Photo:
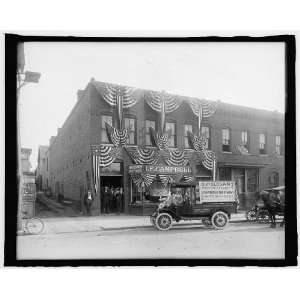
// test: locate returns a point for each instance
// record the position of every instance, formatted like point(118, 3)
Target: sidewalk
point(109, 222)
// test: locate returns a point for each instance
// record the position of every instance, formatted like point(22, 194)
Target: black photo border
point(11, 190)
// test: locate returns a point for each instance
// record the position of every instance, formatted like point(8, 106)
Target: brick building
point(42, 171)
point(116, 136)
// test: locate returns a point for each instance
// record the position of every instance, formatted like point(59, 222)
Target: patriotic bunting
point(188, 179)
point(209, 157)
point(198, 143)
point(142, 155)
point(208, 107)
point(113, 91)
point(161, 140)
point(177, 157)
point(142, 181)
point(117, 137)
point(166, 179)
point(155, 100)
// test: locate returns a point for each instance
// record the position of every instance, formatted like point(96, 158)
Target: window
point(206, 132)
point(187, 128)
point(277, 145)
point(130, 126)
point(171, 130)
point(252, 180)
point(245, 139)
point(148, 135)
point(224, 174)
point(274, 179)
point(104, 136)
point(262, 143)
point(225, 140)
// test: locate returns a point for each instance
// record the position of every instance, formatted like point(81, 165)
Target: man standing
point(106, 199)
point(88, 200)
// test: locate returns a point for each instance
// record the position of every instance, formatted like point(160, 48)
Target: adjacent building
point(42, 171)
point(142, 141)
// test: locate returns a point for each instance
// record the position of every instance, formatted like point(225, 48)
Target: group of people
point(176, 198)
point(112, 200)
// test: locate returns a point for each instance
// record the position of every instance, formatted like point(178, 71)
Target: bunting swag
point(209, 157)
point(198, 143)
point(143, 156)
point(142, 181)
point(161, 140)
point(117, 137)
point(177, 157)
point(208, 107)
point(155, 100)
point(188, 179)
point(166, 179)
point(113, 91)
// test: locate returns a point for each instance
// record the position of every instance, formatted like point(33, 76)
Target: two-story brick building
point(143, 140)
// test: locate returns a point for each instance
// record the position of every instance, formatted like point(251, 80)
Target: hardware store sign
point(159, 169)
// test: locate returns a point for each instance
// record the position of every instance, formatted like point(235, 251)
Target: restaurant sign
point(217, 191)
point(160, 169)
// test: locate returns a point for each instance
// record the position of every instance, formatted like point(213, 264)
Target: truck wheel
point(219, 220)
point(251, 215)
point(163, 221)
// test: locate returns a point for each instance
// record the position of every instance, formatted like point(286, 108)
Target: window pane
point(105, 119)
point(170, 128)
point(149, 124)
point(130, 126)
point(205, 131)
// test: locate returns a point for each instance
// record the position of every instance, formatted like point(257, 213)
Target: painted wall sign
point(160, 169)
point(217, 191)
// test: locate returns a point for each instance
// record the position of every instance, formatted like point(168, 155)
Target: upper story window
point(226, 140)
point(245, 139)
point(278, 144)
point(104, 136)
point(131, 130)
point(148, 135)
point(171, 129)
point(205, 130)
point(187, 128)
point(262, 143)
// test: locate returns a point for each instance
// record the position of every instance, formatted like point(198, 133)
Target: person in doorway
point(106, 199)
point(122, 199)
point(118, 198)
point(88, 201)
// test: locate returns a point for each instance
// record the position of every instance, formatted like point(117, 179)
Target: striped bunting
point(143, 155)
point(188, 179)
point(142, 181)
point(117, 137)
point(113, 91)
point(198, 143)
point(208, 107)
point(162, 141)
point(166, 179)
point(209, 157)
point(102, 156)
point(155, 100)
point(177, 157)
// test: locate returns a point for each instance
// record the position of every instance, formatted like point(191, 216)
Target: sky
point(248, 74)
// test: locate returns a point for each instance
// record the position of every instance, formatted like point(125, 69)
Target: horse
point(273, 205)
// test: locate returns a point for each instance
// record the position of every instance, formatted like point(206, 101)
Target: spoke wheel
point(34, 226)
point(163, 221)
point(219, 220)
point(251, 215)
point(263, 217)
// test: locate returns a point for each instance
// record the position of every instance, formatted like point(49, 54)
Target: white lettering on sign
point(217, 191)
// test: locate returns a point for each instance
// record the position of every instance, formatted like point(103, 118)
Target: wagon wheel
point(263, 217)
point(163, 221)
point(219, 220)
point(251, 215)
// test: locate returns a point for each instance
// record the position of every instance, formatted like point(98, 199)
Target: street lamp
point(22, 79)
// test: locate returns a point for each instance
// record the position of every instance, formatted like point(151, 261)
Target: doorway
point(113, 183)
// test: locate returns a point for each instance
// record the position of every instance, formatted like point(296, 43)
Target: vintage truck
point(212, 202)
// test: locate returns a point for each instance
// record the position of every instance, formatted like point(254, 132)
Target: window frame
point(247, 144)
point(148, 133)
point(188, 146)
point(262, 151)
point(104, 128)
point(229, 140)
point(135, 129)
point(209, 134)
point(278, 145)
point(175, 132)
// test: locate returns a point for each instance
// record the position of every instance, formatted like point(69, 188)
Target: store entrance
point(109, 202)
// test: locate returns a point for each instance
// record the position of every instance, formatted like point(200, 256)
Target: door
point(238, 176)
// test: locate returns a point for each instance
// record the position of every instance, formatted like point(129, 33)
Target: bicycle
point(33, 225)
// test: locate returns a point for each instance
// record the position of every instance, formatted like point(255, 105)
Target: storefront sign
point(159, 169)
point(217, 191)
